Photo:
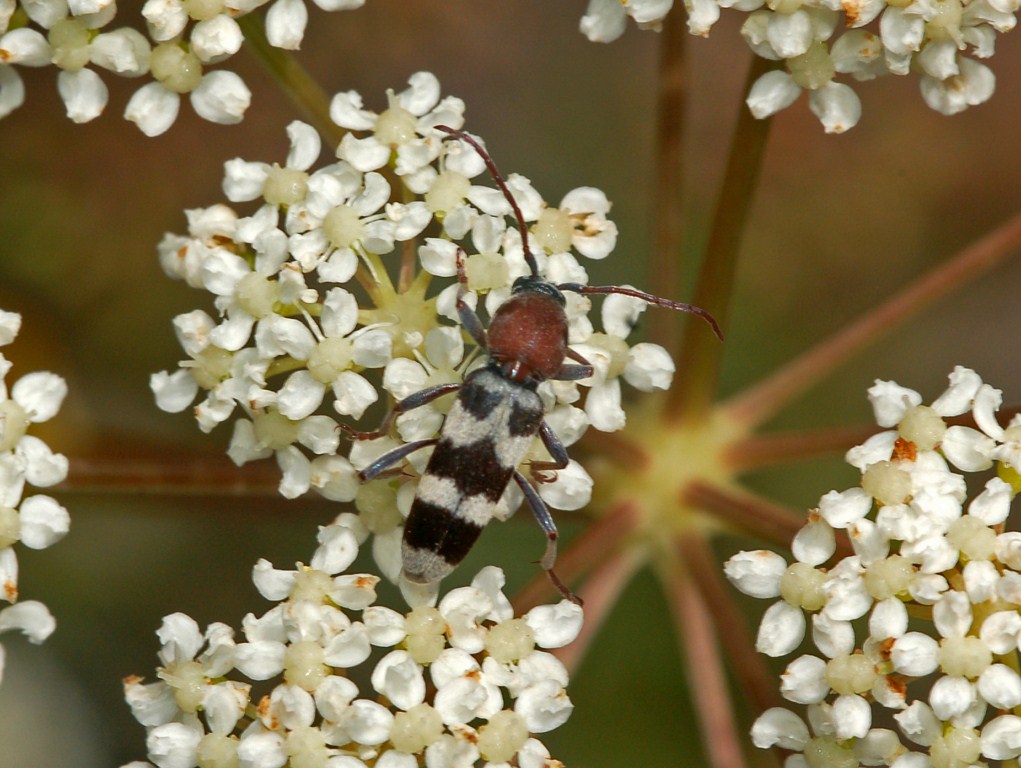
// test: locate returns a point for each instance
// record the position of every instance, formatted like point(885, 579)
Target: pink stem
point(701, 355)
point(668, 200)
point(755, 680)
point(746, 511)
point(758, 403)
point(601, 592)
point(172, 476)
point(757, 451)
point(706, 677)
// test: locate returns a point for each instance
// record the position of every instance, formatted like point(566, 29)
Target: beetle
point(496, 415)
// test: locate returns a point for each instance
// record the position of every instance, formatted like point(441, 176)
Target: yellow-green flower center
point(177, 69)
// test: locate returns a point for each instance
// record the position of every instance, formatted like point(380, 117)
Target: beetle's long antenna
point(502, 184)
point(648, 298)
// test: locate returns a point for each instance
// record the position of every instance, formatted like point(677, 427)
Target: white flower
point(189, 675)
point(604, 20)
point(1001, 738)
point(299, 643)
point(779, 727)
point(218, 96)
point(592, 234)
point(184, 45)
point(835, 104)
point(286, 19)
point(804, 680)
point(69, 37)
point(756, 573)
point(781, 631)
point(31, 618)
point(926, 38)
point(290, 345)
point(37, 521)
point(921, 542)
point(404, 126)
point(973, 83)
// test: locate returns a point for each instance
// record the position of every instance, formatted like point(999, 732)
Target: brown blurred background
point(839, 224)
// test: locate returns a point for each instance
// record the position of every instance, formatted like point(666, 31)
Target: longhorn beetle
point(496, 415)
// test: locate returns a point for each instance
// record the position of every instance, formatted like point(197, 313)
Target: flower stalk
point(668, 207)
point(700, 647)
point(761, 401)
point(698, 379)
point(304, 91)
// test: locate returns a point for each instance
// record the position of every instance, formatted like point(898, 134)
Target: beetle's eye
point(521, 284)
point(538, 284)
point(544, 286)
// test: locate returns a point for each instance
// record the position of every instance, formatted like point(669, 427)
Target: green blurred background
point(839, 224)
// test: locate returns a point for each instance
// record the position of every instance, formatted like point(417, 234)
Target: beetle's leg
point(545, 520)
point(469, 319)
point(390, 458)
point(415, 400)
point(556, 450)
point(570, 372)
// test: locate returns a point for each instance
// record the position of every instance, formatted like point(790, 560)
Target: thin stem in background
point(168, 475)
point(613, 447)
point(758, 451)
point(294, 80)
point(701, 354)
point(707, 680)
point(761, 401)
point(409, 264)
point(668, 195)
point(602, 591)
point(755, 681)
point(747, 512)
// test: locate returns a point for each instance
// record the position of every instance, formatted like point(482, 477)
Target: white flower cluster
point(923, 549)
point(185, 38)
point(939, 40)
point(36, 521)
point(459, 684)
point(290, 347)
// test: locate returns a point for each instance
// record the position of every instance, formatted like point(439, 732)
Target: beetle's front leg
point(420, 398)
point(469, 319)
point(570, 372)
point(556, 449)
point(390, 458)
